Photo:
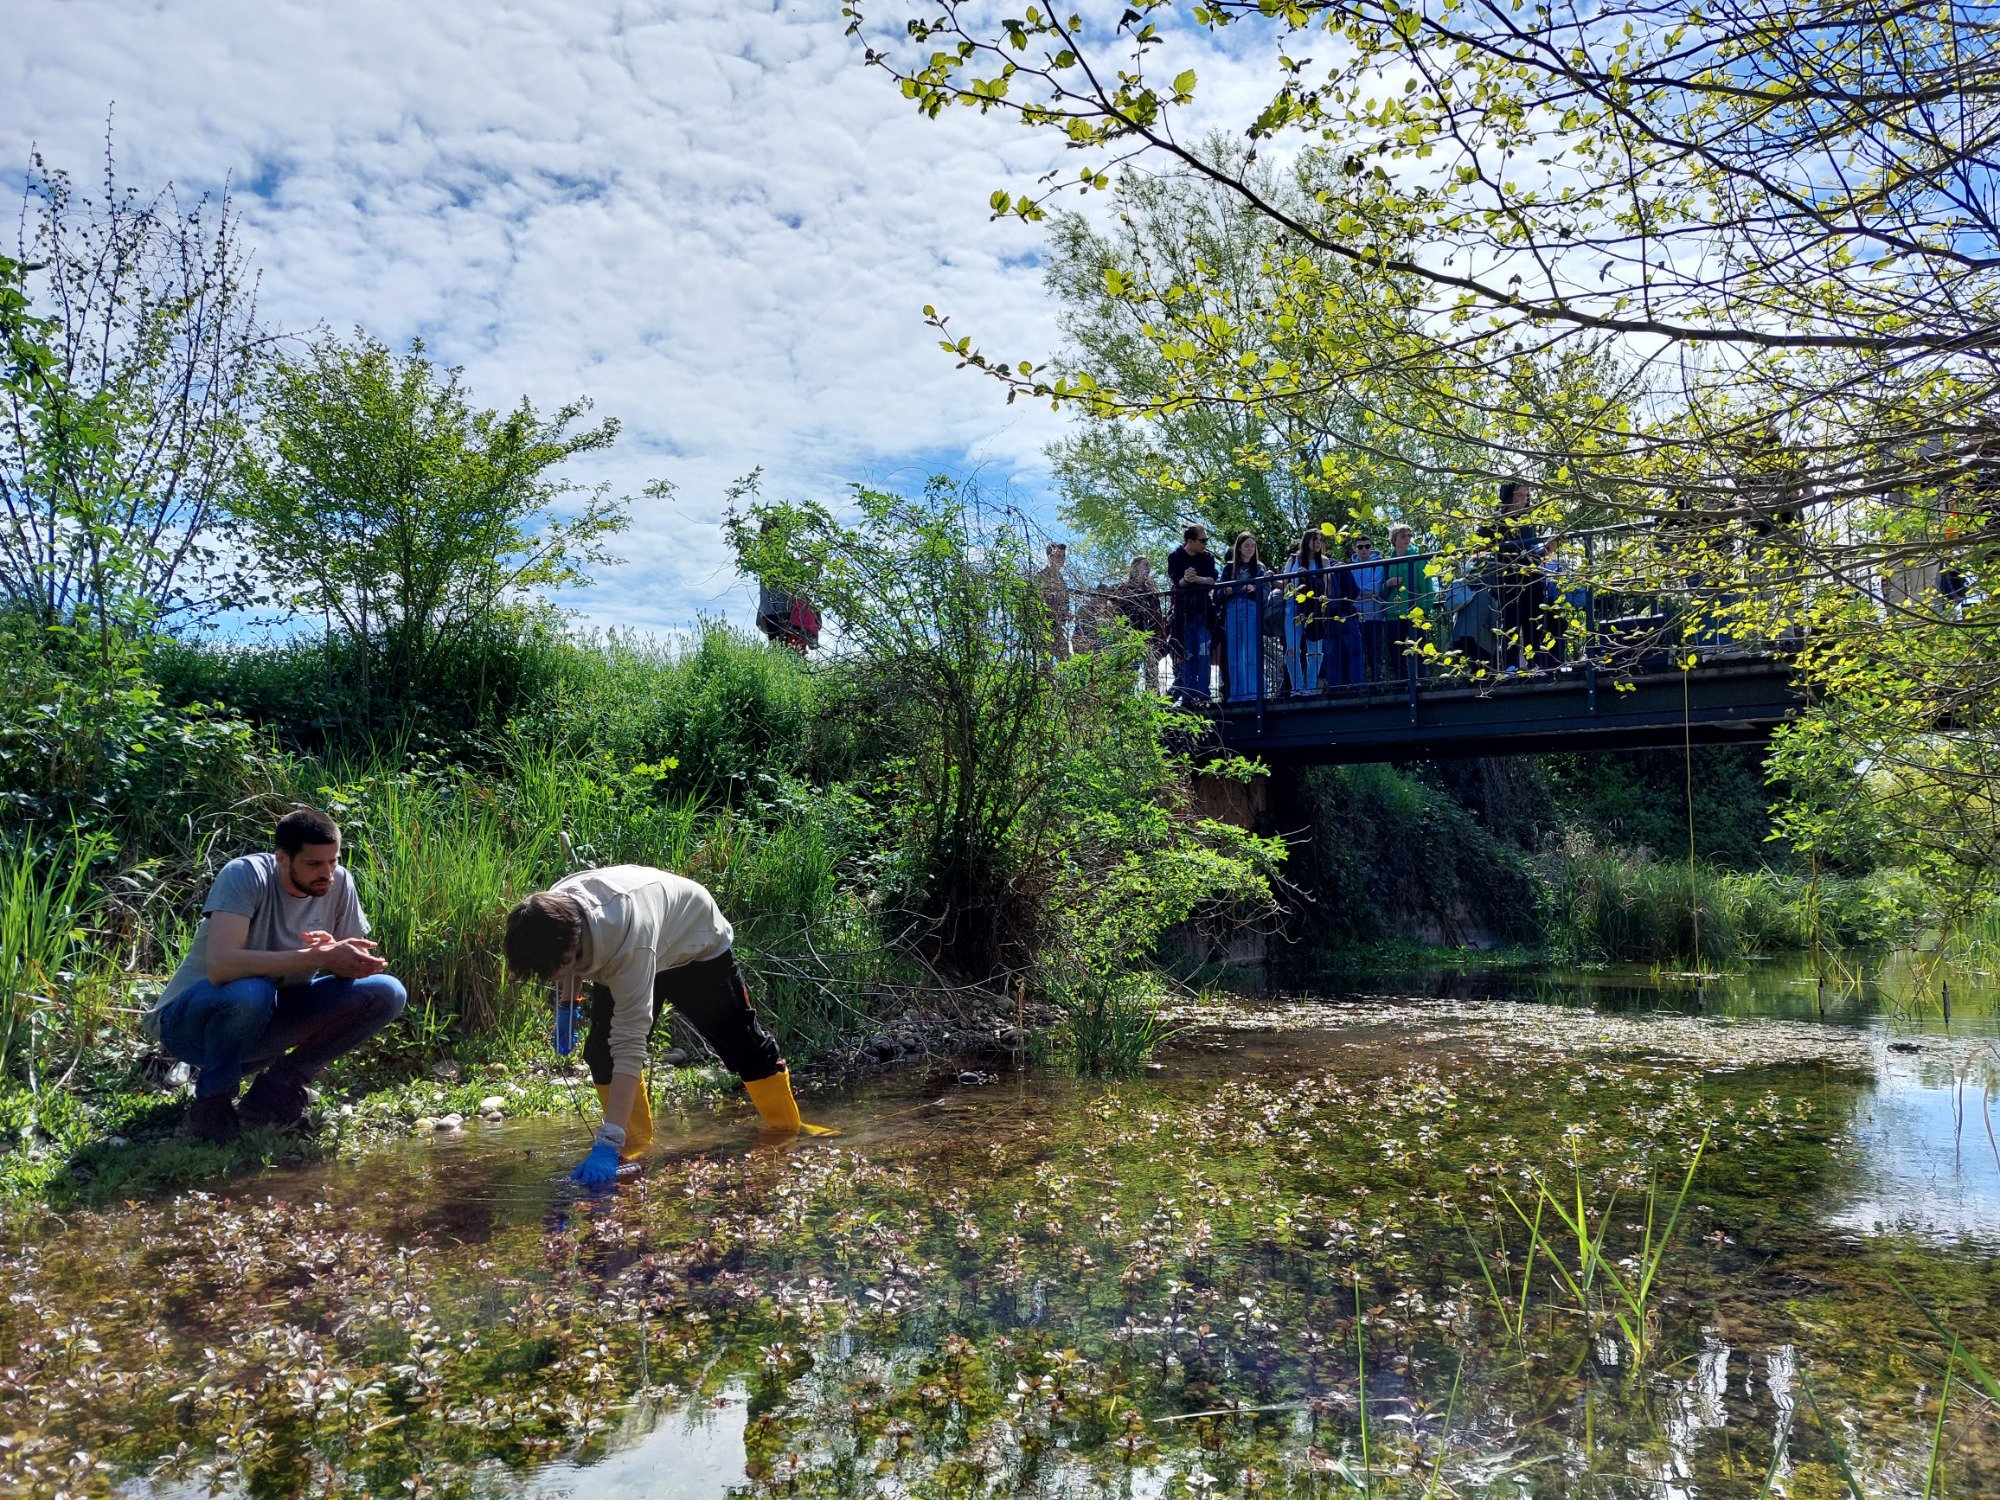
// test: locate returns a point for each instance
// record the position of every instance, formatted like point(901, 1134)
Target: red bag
point(805, 619)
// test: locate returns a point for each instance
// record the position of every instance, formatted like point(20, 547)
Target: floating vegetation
point(1287, 1265)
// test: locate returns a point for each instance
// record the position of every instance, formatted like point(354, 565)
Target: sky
point(708, 216)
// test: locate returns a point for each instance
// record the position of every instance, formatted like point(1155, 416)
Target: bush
point(97, 750)
point(713, 716)
point(310, 693)
point(1621, 906)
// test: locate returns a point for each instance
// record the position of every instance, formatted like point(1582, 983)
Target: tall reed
point(44, 910)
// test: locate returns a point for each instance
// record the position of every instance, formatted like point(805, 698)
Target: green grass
point(46, 903)
point(1109, 1026)
point(1623, 906)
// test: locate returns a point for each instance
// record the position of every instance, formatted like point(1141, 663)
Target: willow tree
point(1780, 228)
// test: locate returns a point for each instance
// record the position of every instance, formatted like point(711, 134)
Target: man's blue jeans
point(229, 1030)
point(1192, 669)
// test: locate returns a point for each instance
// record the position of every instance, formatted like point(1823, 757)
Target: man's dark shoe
point(275, 1099)
point(214, 1120)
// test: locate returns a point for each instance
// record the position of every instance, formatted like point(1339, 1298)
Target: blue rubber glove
point(600, 1168)
point(564, 1035)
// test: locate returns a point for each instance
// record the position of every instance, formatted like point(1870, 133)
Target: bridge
point(1732, 697)
point(1624, 654)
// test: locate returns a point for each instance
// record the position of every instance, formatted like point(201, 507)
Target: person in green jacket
point(1408, 605)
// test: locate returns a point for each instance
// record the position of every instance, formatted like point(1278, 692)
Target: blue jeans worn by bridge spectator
point(1191, 670)
point(227, 1031)
point(1342, 663)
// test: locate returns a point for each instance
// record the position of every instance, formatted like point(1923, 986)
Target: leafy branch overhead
point(1740, 198)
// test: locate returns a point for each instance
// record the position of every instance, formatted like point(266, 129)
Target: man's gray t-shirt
point(251, 887)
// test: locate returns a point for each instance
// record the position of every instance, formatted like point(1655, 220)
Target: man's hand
point(350, 958)
point(317, 939)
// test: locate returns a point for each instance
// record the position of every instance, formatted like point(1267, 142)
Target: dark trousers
point(712, 995)
point(1374, 645)
point(1400, 661)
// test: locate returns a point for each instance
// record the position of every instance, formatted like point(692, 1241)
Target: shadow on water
point(1308, 1254)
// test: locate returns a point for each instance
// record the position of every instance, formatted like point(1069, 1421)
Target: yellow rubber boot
point(776, 1106)
point(638, 1128)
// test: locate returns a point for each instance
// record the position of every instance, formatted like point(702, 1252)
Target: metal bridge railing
point(1392, 627)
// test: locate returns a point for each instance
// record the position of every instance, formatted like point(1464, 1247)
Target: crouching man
point(640, 938)
point(280, 980)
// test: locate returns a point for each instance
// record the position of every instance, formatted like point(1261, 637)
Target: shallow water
point(1195, 1281)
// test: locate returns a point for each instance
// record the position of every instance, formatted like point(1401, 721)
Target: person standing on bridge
point(1306, 583)
point(1244, 588)
point(1517, 549)
point(1138, 602)
point(1191, 573)
point(1341, 666)
point(1368, 585)
point(1407, 594)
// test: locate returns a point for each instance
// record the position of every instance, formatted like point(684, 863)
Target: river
point(1325, 1245)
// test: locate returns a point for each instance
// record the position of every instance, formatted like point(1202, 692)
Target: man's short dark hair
point(1189, 533)
point(304, 826)
point(542, 932)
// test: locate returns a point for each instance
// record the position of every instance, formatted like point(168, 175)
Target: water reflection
point(1923, 1141)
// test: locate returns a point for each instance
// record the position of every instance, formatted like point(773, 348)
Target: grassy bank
point(785, 786)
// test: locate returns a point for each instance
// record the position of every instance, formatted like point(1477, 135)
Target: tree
point(1779, 231)
point(131, 343)
point(1188, 276)
point(1036, 806)
point(378, 495)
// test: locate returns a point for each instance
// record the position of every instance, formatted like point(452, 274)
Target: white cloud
point(710, 217)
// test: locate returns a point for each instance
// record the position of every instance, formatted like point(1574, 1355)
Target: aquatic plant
point(1110, 1023)
point(1240, 1275)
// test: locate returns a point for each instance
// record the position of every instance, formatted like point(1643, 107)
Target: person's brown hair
point(542, 932)
point(303, 826)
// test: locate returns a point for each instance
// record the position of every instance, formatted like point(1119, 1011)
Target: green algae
point(1167, 1286)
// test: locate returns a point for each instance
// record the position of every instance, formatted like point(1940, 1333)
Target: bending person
point(640, 938)
point(279, 980)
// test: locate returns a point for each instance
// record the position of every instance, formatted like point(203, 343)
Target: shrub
point(98, 750)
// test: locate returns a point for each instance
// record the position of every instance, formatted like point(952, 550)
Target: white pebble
point(450, 1122)
point(424, 1122)
point(492, 1104)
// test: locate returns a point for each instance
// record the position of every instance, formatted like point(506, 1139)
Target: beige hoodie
point(638, 922)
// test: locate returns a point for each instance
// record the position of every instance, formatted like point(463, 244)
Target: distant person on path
point(279, 981)
point(1054, 586)
point(638, 939)
point(784, 617)
point(1191, 573)
point(1241, 598)
point(1138, 599)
